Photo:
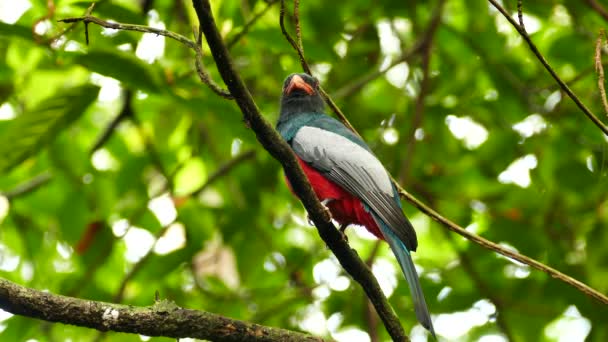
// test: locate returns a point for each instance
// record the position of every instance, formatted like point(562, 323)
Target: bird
point(347, 177)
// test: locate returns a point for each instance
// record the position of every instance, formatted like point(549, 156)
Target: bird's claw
point(343, 231)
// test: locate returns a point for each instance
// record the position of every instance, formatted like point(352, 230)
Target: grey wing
point(359, 172)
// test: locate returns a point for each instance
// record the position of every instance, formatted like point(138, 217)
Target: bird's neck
point(292, 106)
point(290, 122)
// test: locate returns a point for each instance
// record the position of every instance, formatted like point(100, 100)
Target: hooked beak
point(298, 83)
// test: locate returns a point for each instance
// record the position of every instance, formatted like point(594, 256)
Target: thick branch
point(279, 149)
point(162, 319)
point(539, 56)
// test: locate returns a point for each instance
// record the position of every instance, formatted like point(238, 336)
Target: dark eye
point(315, 83)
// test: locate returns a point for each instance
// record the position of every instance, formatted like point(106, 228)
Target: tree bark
point(164, 318)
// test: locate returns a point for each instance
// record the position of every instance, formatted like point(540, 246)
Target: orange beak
point(298, 83)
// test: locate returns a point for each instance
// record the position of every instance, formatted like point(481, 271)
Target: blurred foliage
point(247, 251)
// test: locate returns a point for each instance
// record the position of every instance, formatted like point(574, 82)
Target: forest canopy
point(131, 173)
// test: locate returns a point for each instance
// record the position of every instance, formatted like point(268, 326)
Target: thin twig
point(50, 7)
point(427, 45)
point(202, 73)
point(356, 85)
point(224, 169)
point(131, 27)
point(296, 17)
point(502, 250)
point(520, 15)
point(539, 56)
point(416, 118)
point(406, 56)
point(598, 8)
point(600, 68)
point(28, 187)
point(291, 41)
point(230, 43)
point(192, 44)
point(125, 112)
point(306, 67)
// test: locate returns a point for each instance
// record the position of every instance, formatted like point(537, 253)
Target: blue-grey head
point(300, 95)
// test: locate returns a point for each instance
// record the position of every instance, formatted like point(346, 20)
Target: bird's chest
point(345, 208)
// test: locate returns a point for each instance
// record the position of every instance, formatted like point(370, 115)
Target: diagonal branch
point(236, 37)
point(406, 56)
point(28, 186)
point(125, 112)
point(279, 149)
point(586, 289)
point(162, 319)
point(601, 10)
point(543, 61)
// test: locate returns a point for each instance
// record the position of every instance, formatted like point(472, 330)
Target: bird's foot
point(324, 202)
point(343, 231)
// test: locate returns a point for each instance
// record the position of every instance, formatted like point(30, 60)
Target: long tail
point(409, 270)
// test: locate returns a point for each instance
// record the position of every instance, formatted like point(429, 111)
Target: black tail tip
point(428, 325)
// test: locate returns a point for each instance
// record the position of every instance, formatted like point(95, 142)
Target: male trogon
point(347, 177)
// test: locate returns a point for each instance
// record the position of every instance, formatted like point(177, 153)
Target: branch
point(224, 170)
point(202, 73)
point(426, 44)
point(162, 319)
point(125, 112)
point(539, 56)
point(304, 63)
point(159, 32)
point(502, 250)
point(296, 46)
point(235, 39)
point(598, 8)
point(279, 149)
point(419, 47)
point(28, 186)
point(600, 69)
point(131, 27)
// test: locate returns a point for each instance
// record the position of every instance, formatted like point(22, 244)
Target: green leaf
point(29, 132)
point(122, 66)
point(15, 31)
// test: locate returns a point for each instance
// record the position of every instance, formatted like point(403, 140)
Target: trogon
point(347, 177)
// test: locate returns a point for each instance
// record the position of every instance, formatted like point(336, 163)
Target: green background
point(248, 251)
